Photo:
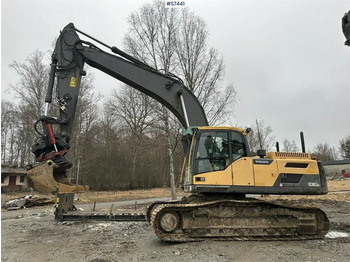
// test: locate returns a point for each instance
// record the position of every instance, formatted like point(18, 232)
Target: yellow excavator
point(218, 170)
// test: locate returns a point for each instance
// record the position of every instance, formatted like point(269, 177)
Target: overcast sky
point(286, 58)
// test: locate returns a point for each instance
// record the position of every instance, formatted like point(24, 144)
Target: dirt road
point(35, 236)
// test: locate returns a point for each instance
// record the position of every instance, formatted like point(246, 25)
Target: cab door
point(211, 159)
point(242, 166)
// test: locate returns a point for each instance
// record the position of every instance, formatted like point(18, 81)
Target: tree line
point(128, 140)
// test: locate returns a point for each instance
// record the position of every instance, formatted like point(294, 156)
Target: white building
point(337, 168)
point(13, 179)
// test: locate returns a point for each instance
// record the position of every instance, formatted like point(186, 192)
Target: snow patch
point(99, 226)
point(334, 234)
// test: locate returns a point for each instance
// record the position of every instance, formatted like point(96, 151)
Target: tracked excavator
point(218, 170)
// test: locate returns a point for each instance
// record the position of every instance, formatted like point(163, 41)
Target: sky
point(286, 58)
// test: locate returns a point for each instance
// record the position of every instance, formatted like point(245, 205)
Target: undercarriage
point(197, 219)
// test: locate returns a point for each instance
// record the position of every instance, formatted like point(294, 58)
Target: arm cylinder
point(48, 98)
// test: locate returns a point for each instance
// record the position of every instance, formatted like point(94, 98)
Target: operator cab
point(211, 151)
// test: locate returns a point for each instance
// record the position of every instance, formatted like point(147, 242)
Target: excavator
point(218, 169)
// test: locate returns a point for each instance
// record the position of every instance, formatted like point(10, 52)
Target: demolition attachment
point(48, 177)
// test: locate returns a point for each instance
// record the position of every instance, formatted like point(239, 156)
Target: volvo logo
point(262, 161)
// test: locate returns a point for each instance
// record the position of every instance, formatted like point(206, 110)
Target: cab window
point(238, 147)
point(212, 152)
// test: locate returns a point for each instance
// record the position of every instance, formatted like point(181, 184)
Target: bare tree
point(290, 146)
point(344, 147)
point(324, 152)
point(176, 42)
point(9, 123)
point(102, 160)
point(33, 79)
point(260, 137)
point(203, 69)
point(30, 91)
point(151, 39)
point(134, 111)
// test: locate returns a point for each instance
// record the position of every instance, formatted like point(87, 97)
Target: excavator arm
point(49, 174)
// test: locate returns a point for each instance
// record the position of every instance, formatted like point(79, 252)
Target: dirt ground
point(34, 235)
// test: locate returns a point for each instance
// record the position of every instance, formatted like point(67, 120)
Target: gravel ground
point(35, 236)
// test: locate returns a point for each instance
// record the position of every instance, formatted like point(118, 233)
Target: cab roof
point(190, 129)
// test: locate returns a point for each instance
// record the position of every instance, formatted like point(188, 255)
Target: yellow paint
point(265, 175)
point(189, 159)
point(223, 128)
point(311, 169)
point(243, 172)
point(73, 82)
point(183, 169)
point(222, 177)
point(288, 155)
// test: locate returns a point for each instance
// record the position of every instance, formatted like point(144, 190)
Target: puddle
point(334, 234)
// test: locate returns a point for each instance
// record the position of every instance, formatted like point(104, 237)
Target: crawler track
point(246, 219)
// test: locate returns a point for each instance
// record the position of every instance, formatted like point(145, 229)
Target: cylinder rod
point(184, 108)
